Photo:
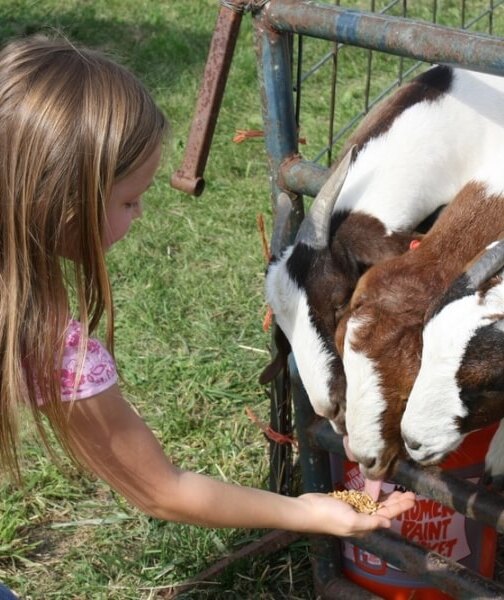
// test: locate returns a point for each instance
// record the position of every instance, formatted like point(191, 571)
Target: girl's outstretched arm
point(116, 445)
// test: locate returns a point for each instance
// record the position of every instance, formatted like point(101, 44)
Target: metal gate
point(394, 32)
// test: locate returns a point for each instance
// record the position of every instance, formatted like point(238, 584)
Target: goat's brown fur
point(392, 297)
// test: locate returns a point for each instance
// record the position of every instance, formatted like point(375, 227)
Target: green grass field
point(188, 287)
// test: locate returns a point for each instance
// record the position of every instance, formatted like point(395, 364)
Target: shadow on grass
point(159, 52)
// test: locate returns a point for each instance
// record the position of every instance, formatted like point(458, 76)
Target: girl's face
point(125, 202)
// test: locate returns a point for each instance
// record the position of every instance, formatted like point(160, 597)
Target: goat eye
point(356, 305)
point(340, 309)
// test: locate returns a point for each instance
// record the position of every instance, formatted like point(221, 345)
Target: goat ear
point(383, 248)
point(479, 274)
point(280, 361)
point(339, 336)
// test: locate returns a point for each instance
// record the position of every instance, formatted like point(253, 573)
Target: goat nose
point(411, 443)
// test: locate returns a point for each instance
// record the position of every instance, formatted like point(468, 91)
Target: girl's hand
point(339, 518)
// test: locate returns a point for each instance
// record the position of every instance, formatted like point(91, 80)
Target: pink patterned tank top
point(98, 372)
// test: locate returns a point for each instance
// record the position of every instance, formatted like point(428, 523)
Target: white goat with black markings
point(460, 384)
point(413, 153)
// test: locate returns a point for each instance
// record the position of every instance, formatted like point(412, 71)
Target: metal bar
point(314, 68)
point(274, 65)
point(447, 575)
point(316, 474)
point(189, 178)
point(341, 588)
point(394, 35)
point(271, 542)
point(303, 176)
point(463, 496)
point(275, 85)
point(280, 474)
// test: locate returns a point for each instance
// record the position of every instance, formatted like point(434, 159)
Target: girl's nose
point(138, 212)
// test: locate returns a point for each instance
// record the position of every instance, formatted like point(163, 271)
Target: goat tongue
point(372, 488)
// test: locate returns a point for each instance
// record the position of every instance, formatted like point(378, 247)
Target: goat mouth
point(433, 458)
point(425, 458)
point(428, 458)
point(379, 471)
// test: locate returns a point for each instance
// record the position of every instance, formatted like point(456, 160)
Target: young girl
point(80, 142)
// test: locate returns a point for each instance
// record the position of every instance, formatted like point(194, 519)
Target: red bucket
point(428, 523)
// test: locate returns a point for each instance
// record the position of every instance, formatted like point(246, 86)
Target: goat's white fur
point(494, 459)
point(430, 151)
point(289, 305)
point(434, 402)
point(363, 399)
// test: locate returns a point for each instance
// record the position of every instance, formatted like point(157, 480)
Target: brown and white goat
point(460, 385)
point(381, 341)
point(413, 153)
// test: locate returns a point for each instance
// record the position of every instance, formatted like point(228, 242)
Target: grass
point(189, 343)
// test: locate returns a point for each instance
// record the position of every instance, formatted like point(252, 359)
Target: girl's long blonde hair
point(72, 122)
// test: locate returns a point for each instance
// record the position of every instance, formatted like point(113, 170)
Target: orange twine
point(244, 134)
point(268, 317)
point(271, 434)
point(264, 241)
point(267, 320)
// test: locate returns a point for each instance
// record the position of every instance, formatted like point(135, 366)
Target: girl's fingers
point(396, 504)
point(392, 507)
point(369, 523)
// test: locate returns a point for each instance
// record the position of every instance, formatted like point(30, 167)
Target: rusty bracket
point(189, 177)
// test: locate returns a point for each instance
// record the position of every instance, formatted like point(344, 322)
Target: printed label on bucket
point(428, 523)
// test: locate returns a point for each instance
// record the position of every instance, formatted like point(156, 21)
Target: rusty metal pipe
point(189, 177)
point(394, 35)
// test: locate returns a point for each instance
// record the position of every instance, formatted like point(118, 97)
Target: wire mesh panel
point(337, 84)
point(302, 46)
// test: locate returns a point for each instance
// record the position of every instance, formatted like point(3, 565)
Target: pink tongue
point(372, 488)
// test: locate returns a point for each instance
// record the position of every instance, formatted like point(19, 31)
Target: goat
point(413, 152)
point(460, 384)
point(381, 338)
